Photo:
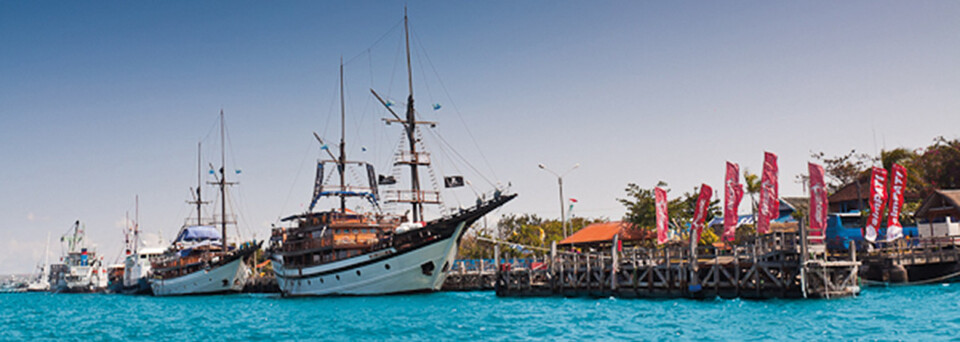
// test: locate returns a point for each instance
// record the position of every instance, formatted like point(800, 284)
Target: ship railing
point(209, 221)
point(408, 158)
point(410, 196)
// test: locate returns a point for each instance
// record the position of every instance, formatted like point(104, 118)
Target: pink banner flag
point(700, 212)
point(818, 201)
point(897, 184)
point(878, 197)
point(732, 194)
point(769, 194)
point(662, 218)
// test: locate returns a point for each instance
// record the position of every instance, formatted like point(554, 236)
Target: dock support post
point(496, 257)
point(803, 258)
point(553, 255)
point(614, 262)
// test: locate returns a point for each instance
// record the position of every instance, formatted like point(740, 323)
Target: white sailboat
point(42, 282)
point(201, 260)
point(342, 252)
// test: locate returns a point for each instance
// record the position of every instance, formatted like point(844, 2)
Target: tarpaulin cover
point(199, 233)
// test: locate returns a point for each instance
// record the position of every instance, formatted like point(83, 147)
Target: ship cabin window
point(316, 258)
point(341, 254)
point(356, 231)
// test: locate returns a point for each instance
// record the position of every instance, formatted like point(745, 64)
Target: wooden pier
point(915, 261)
point(772, 266)
point(471, 275)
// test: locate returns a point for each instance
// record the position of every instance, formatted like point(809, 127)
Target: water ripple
point(895, 313)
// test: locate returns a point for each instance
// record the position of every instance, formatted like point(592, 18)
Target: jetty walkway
point(776, 265)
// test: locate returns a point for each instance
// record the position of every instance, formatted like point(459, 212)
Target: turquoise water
point(921, 313)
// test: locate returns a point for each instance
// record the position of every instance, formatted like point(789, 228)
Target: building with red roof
point(602, 234)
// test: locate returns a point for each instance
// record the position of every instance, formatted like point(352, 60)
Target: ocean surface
point(918, 313)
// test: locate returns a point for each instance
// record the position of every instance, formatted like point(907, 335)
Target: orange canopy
point(604, 232)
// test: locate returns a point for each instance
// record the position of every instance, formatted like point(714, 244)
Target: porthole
point(387, 266)
point(338, 277)
point(358, 273)
point(308, 282)
point(321, 280)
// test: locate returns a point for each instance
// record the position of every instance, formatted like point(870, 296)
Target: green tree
point(641, 209)
point(939, 165)
point(845, 169)
point(753, 189)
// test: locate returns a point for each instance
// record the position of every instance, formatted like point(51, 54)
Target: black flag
point(317, 185)
point(386, 180)
point(372, 177)
point(453, 181)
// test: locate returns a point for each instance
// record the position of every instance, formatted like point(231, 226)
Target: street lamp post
point(563, 217)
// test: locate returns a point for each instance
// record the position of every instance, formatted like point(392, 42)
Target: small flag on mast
point(386, 180)
point(453, 181)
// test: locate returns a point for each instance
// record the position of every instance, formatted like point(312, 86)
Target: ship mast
point(411, 126)
point(136, 225)
point(199, 181)
point(198, 199)
point(413, 158)
point(223, 191)
point(341, 165)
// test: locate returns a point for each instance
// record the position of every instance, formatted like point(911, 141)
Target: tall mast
point(411, 127)
point(223, 191)
point(126, 233)
point(136, 225)
point(343, 156)
point(199, 199)
point(46, 259)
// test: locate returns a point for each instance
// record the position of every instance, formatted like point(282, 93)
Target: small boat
point(83, 271)
point(41, 283)
point(200, 260)
point(344, 252)
point(136, 271)
point(135, 279)
point(13, 287)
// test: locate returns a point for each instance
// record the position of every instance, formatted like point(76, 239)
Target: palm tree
point(753, 188)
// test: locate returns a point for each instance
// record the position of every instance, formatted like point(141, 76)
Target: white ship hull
point(228, 278)
point(82, 279)
point(374, 273)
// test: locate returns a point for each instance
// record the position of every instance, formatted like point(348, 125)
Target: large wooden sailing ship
point(200, 260)
point(343, 252)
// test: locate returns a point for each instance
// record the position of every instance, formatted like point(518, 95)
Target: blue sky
point(103, 101)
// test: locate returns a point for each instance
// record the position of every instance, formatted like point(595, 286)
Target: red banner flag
point(878, 197)
point(897, 184)
point(769, 194)
point(732, 194)
point(661, 204)
point(700, 212)
point(818, 201)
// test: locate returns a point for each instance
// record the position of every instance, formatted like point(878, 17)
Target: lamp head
point(541, 166)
